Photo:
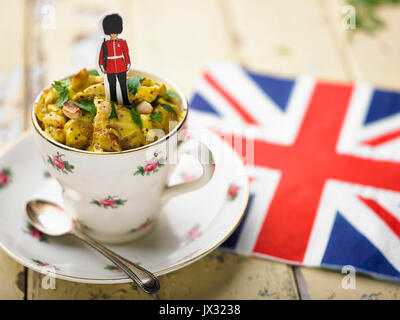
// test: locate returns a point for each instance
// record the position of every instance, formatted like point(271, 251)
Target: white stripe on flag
point(218, 102)
point(323, 224)
point(233, 78)
point(354, 131)
point(389, 200)
point(280, 127)
point(263, 189)
point(298, 105)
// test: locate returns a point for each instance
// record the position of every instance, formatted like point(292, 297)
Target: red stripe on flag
point(382, 139)
point(391, 221)
point(241, 110)
point(305, 166)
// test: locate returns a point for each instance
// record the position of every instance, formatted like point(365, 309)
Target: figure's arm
point(125, 52)
point(101, 59)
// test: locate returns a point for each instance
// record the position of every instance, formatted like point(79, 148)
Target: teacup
point(117, 196)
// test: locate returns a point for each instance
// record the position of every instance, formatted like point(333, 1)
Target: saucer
point(190, 225)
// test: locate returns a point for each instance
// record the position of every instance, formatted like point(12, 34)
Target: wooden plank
point(12, 274)
point(177, 37)
point(174, 38)
point(217, 276)
point(323, 284)
point(285, 37)
point(11, 72)
point(12, 278)
point(372, 57)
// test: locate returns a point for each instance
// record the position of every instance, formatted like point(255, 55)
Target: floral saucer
point(190, 226)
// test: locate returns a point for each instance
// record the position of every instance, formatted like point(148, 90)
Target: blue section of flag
point(201, 104)
point(279, 90)
point(383, 104)
point(231, 242)
point(347, 246)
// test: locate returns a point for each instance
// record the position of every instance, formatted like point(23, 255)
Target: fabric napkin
point(325, 171)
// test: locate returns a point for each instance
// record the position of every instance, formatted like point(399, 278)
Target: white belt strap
point(115, 57)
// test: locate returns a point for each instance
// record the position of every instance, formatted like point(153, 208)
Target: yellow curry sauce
point(74, 112)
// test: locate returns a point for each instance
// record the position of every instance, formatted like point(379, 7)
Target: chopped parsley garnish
point(156, 117)
point(170, 94)
point(93, 73)
point(136, 117)
point(87, 105)
point(66, 82)
point(113, 114)
point(134, 83)
point(62, 91)
point(168, 108)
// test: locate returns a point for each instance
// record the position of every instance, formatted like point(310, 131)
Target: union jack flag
point(326, 175)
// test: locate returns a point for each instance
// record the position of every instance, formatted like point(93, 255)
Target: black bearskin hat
point(112, 23)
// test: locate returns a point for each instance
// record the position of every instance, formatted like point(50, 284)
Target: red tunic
point(118, 56)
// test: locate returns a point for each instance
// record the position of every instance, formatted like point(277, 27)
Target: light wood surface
point(176, 37)
point(217, 276)
point(12, 274)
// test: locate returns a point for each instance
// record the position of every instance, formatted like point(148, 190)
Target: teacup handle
point(204, 155)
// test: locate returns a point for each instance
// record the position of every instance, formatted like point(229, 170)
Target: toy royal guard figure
point(114, 58)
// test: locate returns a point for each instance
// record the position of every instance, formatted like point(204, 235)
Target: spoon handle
point(145, 279)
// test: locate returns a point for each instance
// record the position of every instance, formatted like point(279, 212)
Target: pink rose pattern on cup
point(5, 177)
point(151, 166)
point(193, 233)
point(59, 164)
point(109, 202)
point(143, 225)
point(233, 192)
point(35, 233)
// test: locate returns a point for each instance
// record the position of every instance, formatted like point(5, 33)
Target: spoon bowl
point(49, 218)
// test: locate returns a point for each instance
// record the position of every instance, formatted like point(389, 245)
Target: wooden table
point(46, 40)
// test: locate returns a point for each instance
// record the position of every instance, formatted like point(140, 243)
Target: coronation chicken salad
point(75, 112)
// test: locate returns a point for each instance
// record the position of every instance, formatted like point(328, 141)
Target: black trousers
point(112, 80)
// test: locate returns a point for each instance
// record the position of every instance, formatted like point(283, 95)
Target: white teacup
point(117, 196)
